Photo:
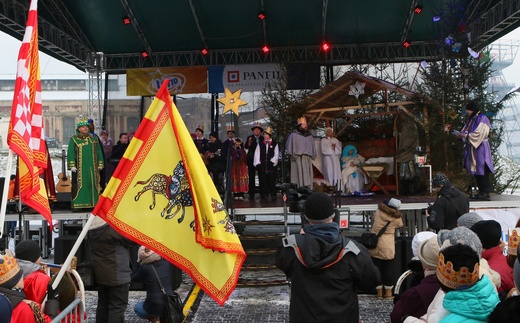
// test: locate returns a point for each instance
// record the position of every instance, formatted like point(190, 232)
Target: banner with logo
point(256, 77)
point(182, 80)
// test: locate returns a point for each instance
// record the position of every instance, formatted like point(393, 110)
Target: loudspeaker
point(63, 246)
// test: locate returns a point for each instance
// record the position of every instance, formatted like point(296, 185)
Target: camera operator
point(451, 203)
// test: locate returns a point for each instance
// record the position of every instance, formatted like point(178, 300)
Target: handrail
point(69, 310)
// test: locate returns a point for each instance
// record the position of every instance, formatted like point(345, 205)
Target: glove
point(73, 169)
point(52, 305)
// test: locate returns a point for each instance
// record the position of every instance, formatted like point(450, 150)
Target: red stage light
point(265, 49)
point(325, 46)
point(204, 51)
point(144, 54)
point(261, 15)
point(126, 20)
point(406, 44)
point(418, 9)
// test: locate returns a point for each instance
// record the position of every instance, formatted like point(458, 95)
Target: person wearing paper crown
point(265, 159)
point(302, 149)
point(11, 285)
point(251, 142)
point(84, 159)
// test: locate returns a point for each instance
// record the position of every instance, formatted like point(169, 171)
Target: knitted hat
point(28, 250)
point(393, 203)
point(468, 219)
point(512, 244)
point(257, 125)
point(439, 180)
point(429, 252)
point(200, 127)
point(10, 272)
point(460, 235)
point(213, 134)
point(419, 238)
point(318, 207)
point(453, 274)
point(472, 106)
point(489, 232)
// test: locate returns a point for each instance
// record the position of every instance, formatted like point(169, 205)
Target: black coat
point(266, 165)
point(451, 203)
point(250, 145)
point(324, 290)
point(154, 302)
point(110, 256)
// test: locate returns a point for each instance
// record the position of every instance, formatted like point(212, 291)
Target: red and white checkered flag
point(26, 136)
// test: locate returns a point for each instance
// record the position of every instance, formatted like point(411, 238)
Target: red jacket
point(498, 262)
point(35, 286)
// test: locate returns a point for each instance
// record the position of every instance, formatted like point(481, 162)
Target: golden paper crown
point(82, 122)
point(269, 131)
point(302, 120)
point(452, 278)
point(200, 127)
point(8, 269)
point(512, 243)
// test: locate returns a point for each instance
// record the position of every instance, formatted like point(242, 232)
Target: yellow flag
point(162, 197)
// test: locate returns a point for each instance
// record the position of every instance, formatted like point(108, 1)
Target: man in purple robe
point(477, 152)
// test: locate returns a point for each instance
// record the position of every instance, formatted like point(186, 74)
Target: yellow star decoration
point(231, 101)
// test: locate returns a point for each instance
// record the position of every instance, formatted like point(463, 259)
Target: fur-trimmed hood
point(390, 211)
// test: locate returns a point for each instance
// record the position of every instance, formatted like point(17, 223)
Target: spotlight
point(449, 40)
point(418, 9)
point(126, 20)
point(265, 49)
point(261, 15)
point(406, 44)
point(325, 46)
point(204, 51)
point(144, 54)
point(436, 18)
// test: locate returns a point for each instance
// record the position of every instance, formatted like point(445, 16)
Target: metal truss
point(490, 23)
point(339, 55)
point(52, 40)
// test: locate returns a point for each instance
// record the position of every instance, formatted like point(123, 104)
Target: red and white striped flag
point(26, 136)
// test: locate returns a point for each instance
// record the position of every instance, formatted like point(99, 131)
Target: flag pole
point(72, 252)
point(3, 205)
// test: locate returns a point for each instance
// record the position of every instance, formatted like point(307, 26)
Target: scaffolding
point(503, 54)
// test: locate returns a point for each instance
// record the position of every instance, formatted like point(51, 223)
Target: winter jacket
point(385, 249)
point(415, 301)
point(451, 203)
point(110, 256)
point(35, 281)
point(325, 269)
point(471, 305)
point(498, 262)
point(154, 302)
point(23, 309)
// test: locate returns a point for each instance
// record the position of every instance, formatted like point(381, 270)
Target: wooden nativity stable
point(363, 111)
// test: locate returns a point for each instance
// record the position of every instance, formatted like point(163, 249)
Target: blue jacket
point(472, 305)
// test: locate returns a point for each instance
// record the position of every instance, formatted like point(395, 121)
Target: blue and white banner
point(256, 77)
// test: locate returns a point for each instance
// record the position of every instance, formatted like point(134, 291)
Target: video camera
point(296, 196)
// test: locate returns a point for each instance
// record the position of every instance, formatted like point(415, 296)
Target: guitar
point(64, 185)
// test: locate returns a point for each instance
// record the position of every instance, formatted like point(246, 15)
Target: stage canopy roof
point(173, 33)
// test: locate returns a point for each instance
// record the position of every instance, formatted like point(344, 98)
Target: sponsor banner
point(147, 81)
point(257, 77)
point(245, 77)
